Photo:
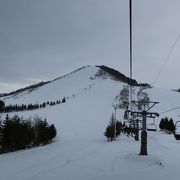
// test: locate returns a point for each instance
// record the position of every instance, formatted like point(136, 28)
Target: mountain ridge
point(116, 75)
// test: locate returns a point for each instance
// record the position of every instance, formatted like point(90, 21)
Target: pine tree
point(5, 136)
point(171, 126)
point(41, 131)
point(118, 128)
point(1, 133)
point(64, 100)
point(109, 133)
point(161, 124)
point(44, 105)
point(2, 106)
point(52, 132)
point(166, 123)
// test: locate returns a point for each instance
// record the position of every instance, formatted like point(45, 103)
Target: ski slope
point(80, 151)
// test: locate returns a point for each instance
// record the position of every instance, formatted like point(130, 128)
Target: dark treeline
point(23, 107)
point(167, 125)
point(18, 133)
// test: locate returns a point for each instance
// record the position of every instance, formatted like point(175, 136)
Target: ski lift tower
point(144, 113)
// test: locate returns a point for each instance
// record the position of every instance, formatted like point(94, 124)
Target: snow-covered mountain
point(80, 151)
point(69, 86)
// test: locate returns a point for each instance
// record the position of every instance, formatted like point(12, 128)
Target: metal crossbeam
point(139, 114)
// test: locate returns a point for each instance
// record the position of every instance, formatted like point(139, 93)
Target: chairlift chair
point(152, 126)
point(177, 130)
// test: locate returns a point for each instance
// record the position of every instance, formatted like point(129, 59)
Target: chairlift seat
point(177, 130)
point(151, 127)
point(177, 136)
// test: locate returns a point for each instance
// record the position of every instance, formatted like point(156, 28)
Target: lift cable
point(167, 58)
point(170, 110)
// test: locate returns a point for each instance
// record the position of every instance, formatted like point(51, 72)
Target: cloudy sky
point(44, 39)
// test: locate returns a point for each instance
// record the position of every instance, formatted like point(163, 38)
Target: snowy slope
point(73, 83)
point(80, 151)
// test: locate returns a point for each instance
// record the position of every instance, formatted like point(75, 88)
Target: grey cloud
point(44, 39)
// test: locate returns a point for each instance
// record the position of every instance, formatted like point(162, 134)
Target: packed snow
point(80, 150)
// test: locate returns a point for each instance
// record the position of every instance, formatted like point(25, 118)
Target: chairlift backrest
point(151, 127)
point(177, 124)
point(177, 130)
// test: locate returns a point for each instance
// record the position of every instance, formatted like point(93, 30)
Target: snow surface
point(80, 151)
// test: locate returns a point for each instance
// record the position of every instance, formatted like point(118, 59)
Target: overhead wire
point(170, 110)
point(162, 67)
point(167, 58)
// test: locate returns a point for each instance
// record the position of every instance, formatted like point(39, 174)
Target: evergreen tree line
point(110, 129)
point(18, 133)
point(167, 125)
point(23, 107)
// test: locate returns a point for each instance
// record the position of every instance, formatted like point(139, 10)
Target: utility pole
point(131, 73)
point(130, 51)
point(144, 113)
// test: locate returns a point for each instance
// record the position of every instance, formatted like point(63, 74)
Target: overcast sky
point(44, 39)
